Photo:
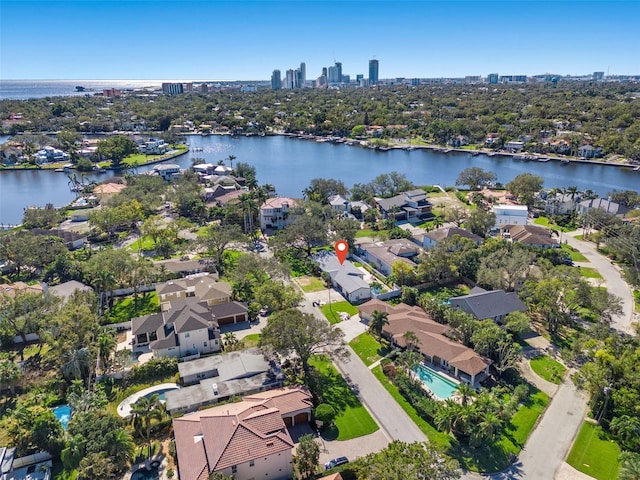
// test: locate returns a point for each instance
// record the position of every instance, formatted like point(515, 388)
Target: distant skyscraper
point(598, 76)
point(373, 72)
point(276, 80)
point(172, 88)
point(298, 78)
point(346, 78)
point(492, 78)
point(333, 75)
point(303, 71)
point(324, 71)
point(339, 67)
point(290, 79)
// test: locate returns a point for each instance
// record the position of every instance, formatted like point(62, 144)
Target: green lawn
point(368, 348)
point(144, 244)
point(310, 284)
point(594, 454)
point(370, 233)
point(589, 272)
point(636, 295)
point(545, 222)
point(575, 255)
point(548, 369)
point(352, 420)
point(331, 311)
point(126, 309)
point(251, 340)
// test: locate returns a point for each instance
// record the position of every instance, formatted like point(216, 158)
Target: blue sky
point(229, 40)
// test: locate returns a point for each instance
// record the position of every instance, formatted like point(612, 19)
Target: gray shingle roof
point(491, 304)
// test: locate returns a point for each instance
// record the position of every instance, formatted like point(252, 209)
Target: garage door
point(287, 421)
point(225, 320)
point(301, 418)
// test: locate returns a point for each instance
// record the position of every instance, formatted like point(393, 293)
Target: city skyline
point(248, 40)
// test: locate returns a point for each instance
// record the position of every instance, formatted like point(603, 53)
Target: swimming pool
point(161, 393)
point(63, 414)
point(441, 387)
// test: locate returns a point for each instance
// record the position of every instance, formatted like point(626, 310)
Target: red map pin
point(342, 250)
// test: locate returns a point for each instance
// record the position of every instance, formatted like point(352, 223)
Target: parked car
point(264, 311)
point(335, 462)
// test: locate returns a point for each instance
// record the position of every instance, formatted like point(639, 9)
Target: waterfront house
point(167, 171)
point(247, 439)
point(217, 378)
point(559, 203)
point(275, 213)
point(431, 239)
point(589, 151)
point(153, 146)
point(560, 146)
point(339, 203)
point(514, 146)
point(494, 305)
point(604, 204)
point(412, 205)
point(384, 254)
point(106, 191)
point(433, 343)
point(345, 278)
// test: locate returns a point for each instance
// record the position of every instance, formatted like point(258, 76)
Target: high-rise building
point(290, 81)
point(492, 78)
point(303, 72)
point(598, 76)
point(339, 67)
point(172, 88)
point(333, 75)
point(373, 71)
point(276, 80)
point(346, 78)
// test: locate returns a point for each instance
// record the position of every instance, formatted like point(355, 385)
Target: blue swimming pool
point(441, 386)
point(161, 393)
point(63, 414)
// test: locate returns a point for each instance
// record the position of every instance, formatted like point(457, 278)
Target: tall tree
point(525, 186)
point(303, 334)
point(217, 238)
point(143, 412)
point(307, 455)
point(378, 321)
point(116, 148)
point(475, 178)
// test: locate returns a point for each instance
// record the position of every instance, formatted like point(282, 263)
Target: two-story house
point(412, 205)
point(275, 213)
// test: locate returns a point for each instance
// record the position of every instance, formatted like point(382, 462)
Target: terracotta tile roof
point(227, 435)
point(10, 289)
point(109, 188)
point(278, 202)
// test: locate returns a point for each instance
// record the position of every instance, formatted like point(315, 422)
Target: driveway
point(613, 280)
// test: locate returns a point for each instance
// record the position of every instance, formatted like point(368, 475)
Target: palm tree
point(488, 428)
point(411, 339)
point(121, 447)
point(106, 346)
point(378, 321)
point(466, 392)
point(231, 158)
point(629, 466)
point(230, 341)
point(143, 412)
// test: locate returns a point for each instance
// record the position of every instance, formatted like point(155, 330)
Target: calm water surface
point(290, 164)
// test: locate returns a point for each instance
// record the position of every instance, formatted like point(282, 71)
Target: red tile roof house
point(461, 362)
point(248, 439)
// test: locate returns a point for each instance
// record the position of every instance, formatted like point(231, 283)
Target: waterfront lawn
point(332, 310)
point(548, 369)
point(125, 309)
point(368, 348)
point(352, 420)
point(310, 284)
point(594, 453)
point(589, 272)
point(575, 255)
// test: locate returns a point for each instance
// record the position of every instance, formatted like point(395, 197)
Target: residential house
point(66, 289)
point(607, 205)
point(459, 361)
point(494, 304)
point(530, 235)
point(183, 267)
point(31, 467)
point(275, 213)
point(219, 377)
point(412, 205)
point(153, 146)
point(247, 439)
point(385, 254)
point(560, 146)
point(560, 203)
point(167, 171)
point(345, 278)
point(10, 289)
point(72, 240)
point(514, 146)
point(50, 154)
point(106, 191)
point(510, 215)
point(431, 239)
point(339, 203)
point(589, 151)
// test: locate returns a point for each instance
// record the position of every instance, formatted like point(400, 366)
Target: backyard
point(368, 348)
point(332, 311)
point(310, 284)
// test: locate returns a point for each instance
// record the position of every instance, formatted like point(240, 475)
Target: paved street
point(612, 280)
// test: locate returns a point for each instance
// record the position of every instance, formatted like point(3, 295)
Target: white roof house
point(510, 215)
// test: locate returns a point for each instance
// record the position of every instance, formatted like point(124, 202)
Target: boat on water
point(565, 161)
point(637, 169)
point(519, 157)
point(543, 159)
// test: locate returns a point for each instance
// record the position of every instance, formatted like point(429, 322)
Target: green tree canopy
point(116, 148)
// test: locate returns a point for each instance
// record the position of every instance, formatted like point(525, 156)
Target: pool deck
point(124, 409)
point(442, 374)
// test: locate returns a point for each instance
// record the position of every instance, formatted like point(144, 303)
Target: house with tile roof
point(434, 344)
point(530, 235)
point(275, 213)
point(494, 305)
point(247, 439)
point(431, 239)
